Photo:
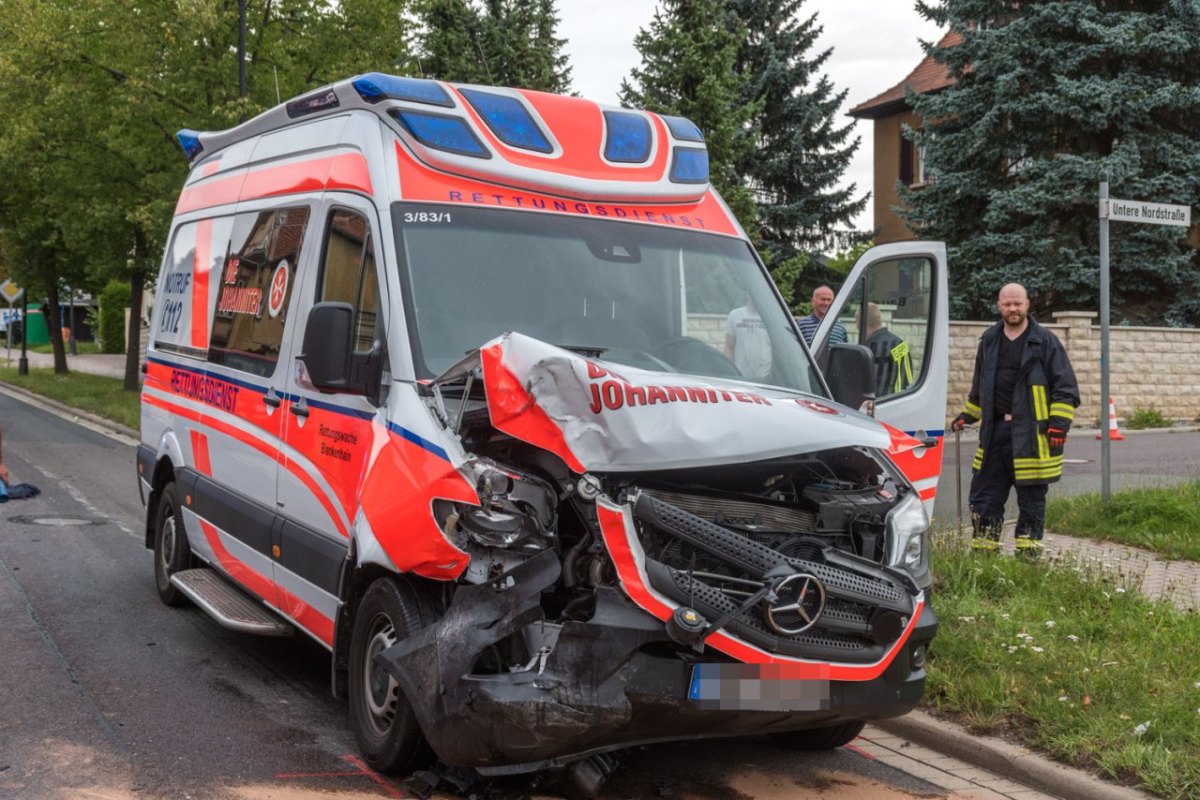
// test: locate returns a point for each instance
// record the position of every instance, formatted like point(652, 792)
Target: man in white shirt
point(747, 343)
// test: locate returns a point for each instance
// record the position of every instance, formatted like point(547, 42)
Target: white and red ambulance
point(487, 392)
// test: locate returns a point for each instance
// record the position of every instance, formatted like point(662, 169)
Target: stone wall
point(1149, 367)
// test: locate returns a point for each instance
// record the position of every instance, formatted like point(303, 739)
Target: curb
point(969, 435)
point(67, 412)
point(1006, 759)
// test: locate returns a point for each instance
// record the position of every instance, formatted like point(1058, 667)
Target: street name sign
point(1146, 213)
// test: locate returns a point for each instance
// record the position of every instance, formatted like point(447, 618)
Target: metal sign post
point(12, 293)
point(1105, 441)
point(1145, 213)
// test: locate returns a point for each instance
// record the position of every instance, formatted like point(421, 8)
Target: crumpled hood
point(604, 417)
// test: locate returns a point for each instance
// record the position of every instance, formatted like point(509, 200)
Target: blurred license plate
point(750, 687)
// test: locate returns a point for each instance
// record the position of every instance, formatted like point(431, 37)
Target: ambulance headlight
point(515, 509)
point(908, 539)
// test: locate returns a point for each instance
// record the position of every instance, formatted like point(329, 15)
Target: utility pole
point(241, 57)
point(23, 362)
point(71, 347)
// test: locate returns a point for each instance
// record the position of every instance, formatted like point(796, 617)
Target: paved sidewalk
point(109, 365)
point(1134, 568)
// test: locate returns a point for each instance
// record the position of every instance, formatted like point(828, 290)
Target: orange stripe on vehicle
point(578, 126)
point(345, 171)
point(397, 497)
point(928, 494)
point(201, 267)
point(305, 615)
point(418, 182)
point(200, 453)
point(516, 412)
point(261, 446)
point(616, 540)
point(240, 571)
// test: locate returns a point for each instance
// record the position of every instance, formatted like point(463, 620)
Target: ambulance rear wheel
point(385, 726)
point(171, 550)
point(820, 738)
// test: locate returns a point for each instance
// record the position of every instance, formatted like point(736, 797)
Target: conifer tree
point(689, 57)
point(801, 153)
point(1049, 98)
point(499, 42)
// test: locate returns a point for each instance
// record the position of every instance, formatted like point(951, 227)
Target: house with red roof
point(897, 160)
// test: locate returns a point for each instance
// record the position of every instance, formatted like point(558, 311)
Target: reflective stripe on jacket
point(1046, 395)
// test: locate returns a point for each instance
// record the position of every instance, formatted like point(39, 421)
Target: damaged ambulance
point(486, 391)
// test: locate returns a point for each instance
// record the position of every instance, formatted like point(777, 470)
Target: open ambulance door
point(896, 302)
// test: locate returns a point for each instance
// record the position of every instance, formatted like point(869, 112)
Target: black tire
point(820, 738)
point(171, 550)
point(384, 724)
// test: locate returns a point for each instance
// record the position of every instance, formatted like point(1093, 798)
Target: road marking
point(79, 497)
point(361, 771)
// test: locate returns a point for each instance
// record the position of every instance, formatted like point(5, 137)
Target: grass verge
point(1163, 520)
point(96, 394)
point(1065, 660)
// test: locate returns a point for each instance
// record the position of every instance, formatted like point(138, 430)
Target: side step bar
point(229, 606)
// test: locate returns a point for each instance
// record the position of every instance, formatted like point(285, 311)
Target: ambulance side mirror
point(851, 374)
point(326, 348)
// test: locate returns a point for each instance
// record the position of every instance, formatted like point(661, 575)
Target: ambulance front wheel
point(171, 550)
point(385, 726)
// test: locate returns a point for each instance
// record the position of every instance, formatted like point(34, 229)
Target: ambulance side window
point(256, 288)
point(348, 273)
point(187, 287)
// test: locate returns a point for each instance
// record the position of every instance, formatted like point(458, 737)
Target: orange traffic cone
point(1114, 432)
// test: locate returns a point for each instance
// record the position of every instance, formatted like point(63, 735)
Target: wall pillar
point(1082, 341)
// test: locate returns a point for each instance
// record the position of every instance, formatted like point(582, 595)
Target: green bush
point(113, 301)
point(1143, 418)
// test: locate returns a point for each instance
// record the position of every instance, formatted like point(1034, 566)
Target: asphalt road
point(106, 693)
point(1143, 459)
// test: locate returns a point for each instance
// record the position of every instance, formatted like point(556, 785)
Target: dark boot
point(986, 538)
point(1029, 545)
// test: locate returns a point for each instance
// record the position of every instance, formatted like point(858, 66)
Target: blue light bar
point(627, 137)
point(189, 140)
point(375, 86)
point(683, 129)
point(690, 165)
point(322, 100)
point(509, 120)
point(442, 132)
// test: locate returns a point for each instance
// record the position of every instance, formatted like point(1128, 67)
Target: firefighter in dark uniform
point(1025, 394)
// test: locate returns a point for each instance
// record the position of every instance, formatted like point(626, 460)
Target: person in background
point(893, 362)
point(822, 299)
point(1025, 393)
point(747, 343)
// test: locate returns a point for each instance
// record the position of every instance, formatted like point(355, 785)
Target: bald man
point(1025, 394)
point(822, 299)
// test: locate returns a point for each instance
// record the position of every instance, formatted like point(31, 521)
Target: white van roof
point(563, 145)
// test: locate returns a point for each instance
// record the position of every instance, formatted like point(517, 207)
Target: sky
point(876, 43)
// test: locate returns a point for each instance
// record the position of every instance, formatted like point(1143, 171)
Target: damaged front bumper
point(616, 680)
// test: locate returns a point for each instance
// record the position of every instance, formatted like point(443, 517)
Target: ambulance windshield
point(648, 296)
